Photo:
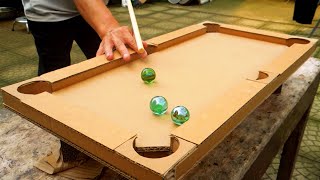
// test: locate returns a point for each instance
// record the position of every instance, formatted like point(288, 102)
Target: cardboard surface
point(219, 72)
point(186, 76)
point(89, 123)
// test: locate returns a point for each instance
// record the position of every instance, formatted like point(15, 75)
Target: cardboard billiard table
point(219, 72)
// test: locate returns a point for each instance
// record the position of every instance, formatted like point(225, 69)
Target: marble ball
point(158, 105)
point(180, 115)
point(148, 75)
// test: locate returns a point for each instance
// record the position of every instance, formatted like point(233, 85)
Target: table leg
point(291, 149)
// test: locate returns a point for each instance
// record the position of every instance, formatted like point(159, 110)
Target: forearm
point(97, 15)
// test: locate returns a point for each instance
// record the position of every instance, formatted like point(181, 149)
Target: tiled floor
point(18, 58)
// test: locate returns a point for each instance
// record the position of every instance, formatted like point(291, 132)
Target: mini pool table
point(219, 72)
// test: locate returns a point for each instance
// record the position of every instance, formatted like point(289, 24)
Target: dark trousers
point(304, 11)
point(53, 41)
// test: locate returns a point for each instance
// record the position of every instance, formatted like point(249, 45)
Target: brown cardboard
point(220, 72)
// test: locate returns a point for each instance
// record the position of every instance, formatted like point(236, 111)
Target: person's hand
point(113, 36)
point(119, 38)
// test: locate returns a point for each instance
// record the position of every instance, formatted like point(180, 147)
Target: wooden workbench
point(245, 153)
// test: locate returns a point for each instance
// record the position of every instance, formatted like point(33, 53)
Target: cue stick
point(135, 27)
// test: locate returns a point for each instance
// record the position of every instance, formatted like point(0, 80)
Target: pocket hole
point(211, 27)
point(35, 87)
point(292, 41)
point(262, 75)
point(157, 152)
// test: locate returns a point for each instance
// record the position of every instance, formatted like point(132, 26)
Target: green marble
point(148, 75)
point(158, 105)
point(180, 115)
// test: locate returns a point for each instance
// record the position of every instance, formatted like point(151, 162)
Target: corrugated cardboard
point(220, 72)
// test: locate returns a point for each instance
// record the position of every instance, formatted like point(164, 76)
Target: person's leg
point(53, 43)
point(85, 36)
point(89, 42)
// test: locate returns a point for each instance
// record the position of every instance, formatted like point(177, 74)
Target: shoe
point(81, 168)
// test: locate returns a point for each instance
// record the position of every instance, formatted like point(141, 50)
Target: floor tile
point(16, 39)
point(185, 20)
point(306, 169)
point(149, 32)
point(8, 58)
point(6, 25)
point(118, 9)
point(177, 12)
point(283, 28)
point(316, 53)
point(310, 146)
point(146, 21)
point(272, 171)
point(142, 12)
point(223, 19)
point(2, 48)
point(200, 15)
point(19, 72)
point(250, 23)
point(161, 16)
point(168, 26)
point(122, 16)
point(315, 109)
point(125, 22)
point(158, 8)
point(304, 31)
point(28, 50)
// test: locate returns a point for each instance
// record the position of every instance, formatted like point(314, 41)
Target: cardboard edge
point(178, 36)
point(287, 63)
point(13, 88)
point(258, 34)
point(139, 164)
point(72, 74)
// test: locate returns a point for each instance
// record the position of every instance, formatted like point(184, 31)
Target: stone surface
point(21, 147)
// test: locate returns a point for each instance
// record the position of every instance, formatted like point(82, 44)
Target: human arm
point(96, 13)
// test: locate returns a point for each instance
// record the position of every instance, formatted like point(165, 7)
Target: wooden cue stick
point(135, 27)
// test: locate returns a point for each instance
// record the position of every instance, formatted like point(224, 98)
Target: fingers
point(131, 42)
point(121, 47)
point(108, 49)
point(145, 44)
point(100, 50)
point(119, 38)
